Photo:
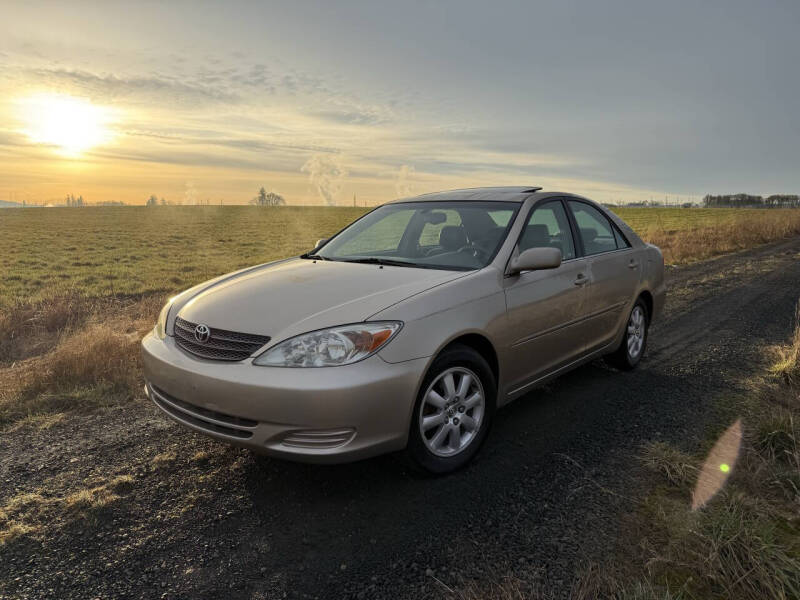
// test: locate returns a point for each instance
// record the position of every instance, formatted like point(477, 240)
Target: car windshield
point(436, 235)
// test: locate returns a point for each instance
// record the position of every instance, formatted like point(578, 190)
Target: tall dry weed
point(96, 363)
point(682, 245)
point(788, 364)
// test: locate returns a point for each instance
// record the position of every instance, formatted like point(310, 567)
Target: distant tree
point(163, 202)
point(783, 201)
point(265, 198)
point(152, 201)
point(79, 201)
point(733, 201)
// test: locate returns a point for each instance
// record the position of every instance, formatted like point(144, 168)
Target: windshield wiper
point(314, 256)
point(374, 260)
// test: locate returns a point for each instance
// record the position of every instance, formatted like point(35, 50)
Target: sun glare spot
point(72, 125)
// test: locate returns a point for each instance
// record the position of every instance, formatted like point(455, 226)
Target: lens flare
point(718, 466)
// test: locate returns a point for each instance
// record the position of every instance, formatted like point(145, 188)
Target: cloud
point(190, 193)
point(188, 137)
point(326, 174)
point(158, 89)
point(402, 182)
point(13, 139)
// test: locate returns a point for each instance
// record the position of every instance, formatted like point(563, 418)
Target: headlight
point(331, 347)
point(160, 330)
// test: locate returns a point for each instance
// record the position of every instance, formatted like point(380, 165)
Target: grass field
point(124, 251)
point(79, 288)
point(121, 251)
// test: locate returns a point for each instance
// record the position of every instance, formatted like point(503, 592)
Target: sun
point(72, 125)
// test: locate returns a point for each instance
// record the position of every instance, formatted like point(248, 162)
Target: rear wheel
point(633, 344)
point(453, 412)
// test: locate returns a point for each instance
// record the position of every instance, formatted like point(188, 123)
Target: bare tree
point(265, 198)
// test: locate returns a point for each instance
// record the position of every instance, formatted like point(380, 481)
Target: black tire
point(622, 358)
point(453, 359)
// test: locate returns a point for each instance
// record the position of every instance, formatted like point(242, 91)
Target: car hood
point(292, 297)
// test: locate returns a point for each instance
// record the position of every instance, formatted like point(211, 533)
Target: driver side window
point(548, 226)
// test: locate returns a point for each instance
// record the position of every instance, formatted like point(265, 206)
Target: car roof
point(489, 194)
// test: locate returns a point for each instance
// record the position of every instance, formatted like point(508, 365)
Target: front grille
point(319, 439)
point(203, 418)
point(221, 345)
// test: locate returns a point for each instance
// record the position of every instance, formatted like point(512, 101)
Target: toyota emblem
point(202, 333)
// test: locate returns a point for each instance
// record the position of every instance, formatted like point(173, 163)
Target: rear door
point(612, 270)
point(545, 307)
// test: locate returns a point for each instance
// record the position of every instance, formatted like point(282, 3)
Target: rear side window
point(622, 241)
point(595, 229)
point(548, 226)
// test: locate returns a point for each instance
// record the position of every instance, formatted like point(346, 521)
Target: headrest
point(535, 236)
point(452, 237)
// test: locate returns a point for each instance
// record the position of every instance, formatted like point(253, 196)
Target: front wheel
point(453, 412)
point(631, 349)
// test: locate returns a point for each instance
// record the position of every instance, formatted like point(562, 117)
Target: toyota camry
point(408, 329)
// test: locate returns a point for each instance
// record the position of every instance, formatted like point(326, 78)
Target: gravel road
point(200, 519)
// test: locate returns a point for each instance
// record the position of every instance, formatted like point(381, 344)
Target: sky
point(324, 101)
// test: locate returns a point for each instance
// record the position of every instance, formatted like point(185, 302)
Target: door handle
point(633, 264)
point(581, 279)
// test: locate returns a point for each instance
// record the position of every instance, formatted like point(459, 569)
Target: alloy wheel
point(636, 332)
point(451, 411)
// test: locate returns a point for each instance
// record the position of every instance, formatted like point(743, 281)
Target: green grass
point(134, 250)
point(120, 251)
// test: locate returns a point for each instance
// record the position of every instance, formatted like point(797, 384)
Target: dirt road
point(200, 519)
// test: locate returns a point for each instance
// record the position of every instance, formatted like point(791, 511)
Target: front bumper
point(329, 414)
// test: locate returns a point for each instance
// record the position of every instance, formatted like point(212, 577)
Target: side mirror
point(320, 242)
point(534, 259)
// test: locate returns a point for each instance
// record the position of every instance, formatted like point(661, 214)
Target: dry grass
point(699, 234)
point(593, 583)
point(27, 329)
point(96, 364)
point(678, 467)
point(163, 459)
point(603, 584)
point(27, 514)
point(787, 365)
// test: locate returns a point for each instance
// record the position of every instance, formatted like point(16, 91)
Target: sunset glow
point(71, 125)
point(208, 104)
